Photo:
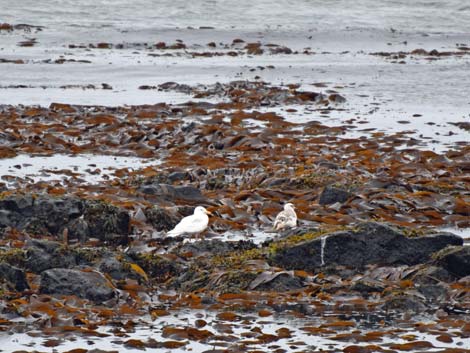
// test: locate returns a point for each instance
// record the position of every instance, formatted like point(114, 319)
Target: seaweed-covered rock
point(90, 285)
point(107, 222)
point(42, 255)
point(117, 269)
point(215, 247)
point(456, 261)
point(370, 243)
point(332, 195)
point(50, 215)
point(14, 276)
point(160, 219)
point(159, 268)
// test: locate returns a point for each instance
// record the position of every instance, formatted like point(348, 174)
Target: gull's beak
point(209, 213)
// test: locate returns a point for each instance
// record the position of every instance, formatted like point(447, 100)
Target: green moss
point(14, 257)
point(439, 255)
point(87, 255)
point(413, 233)
point(158, 268)
point(238, 258)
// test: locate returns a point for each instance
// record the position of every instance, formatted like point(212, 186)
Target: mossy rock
point(13, 256)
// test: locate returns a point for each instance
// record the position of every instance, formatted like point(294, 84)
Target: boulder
point(332, 195)
point(107, 222)
point(50, 215)
point(41, 214)
point(14, 276)
point(456, 260)
point(187, 194)
point(370, 243)
point(90, 285)
point(161, 219)
point(42, 255)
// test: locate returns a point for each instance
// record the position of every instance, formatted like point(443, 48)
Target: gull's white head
point(289, 206)
point(201, 210)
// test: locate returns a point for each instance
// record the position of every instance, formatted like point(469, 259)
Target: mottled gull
point(286, 218)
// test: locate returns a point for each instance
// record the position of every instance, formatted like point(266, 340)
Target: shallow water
point(241, 331)
point(89, 168)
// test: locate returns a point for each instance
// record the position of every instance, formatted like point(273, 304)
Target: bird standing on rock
point(286, 218)
point(194, 224)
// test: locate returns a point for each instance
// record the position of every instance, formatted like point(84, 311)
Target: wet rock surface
point(88, 285)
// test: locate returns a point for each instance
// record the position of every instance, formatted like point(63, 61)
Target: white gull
point(286, 218)
point(196, 223)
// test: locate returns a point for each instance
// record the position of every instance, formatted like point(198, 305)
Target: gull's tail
point(173, 233)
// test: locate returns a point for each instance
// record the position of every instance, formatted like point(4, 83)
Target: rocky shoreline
point(78, 257)
point(58, 251)
point(118, 118)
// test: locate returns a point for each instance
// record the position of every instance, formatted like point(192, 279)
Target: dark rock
point(167, 192)
point(15, 276)
point(40, 214)
point(403, 303)
point(90, 285)
point(434, 293)
point(107, 222)
point(49, 215)
point(281, 283)
point(215, 247)
point(370, 243)
point(332, 195)
point(42, 255)
point(161, 219)
point(433, 275)
point(456, 260)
